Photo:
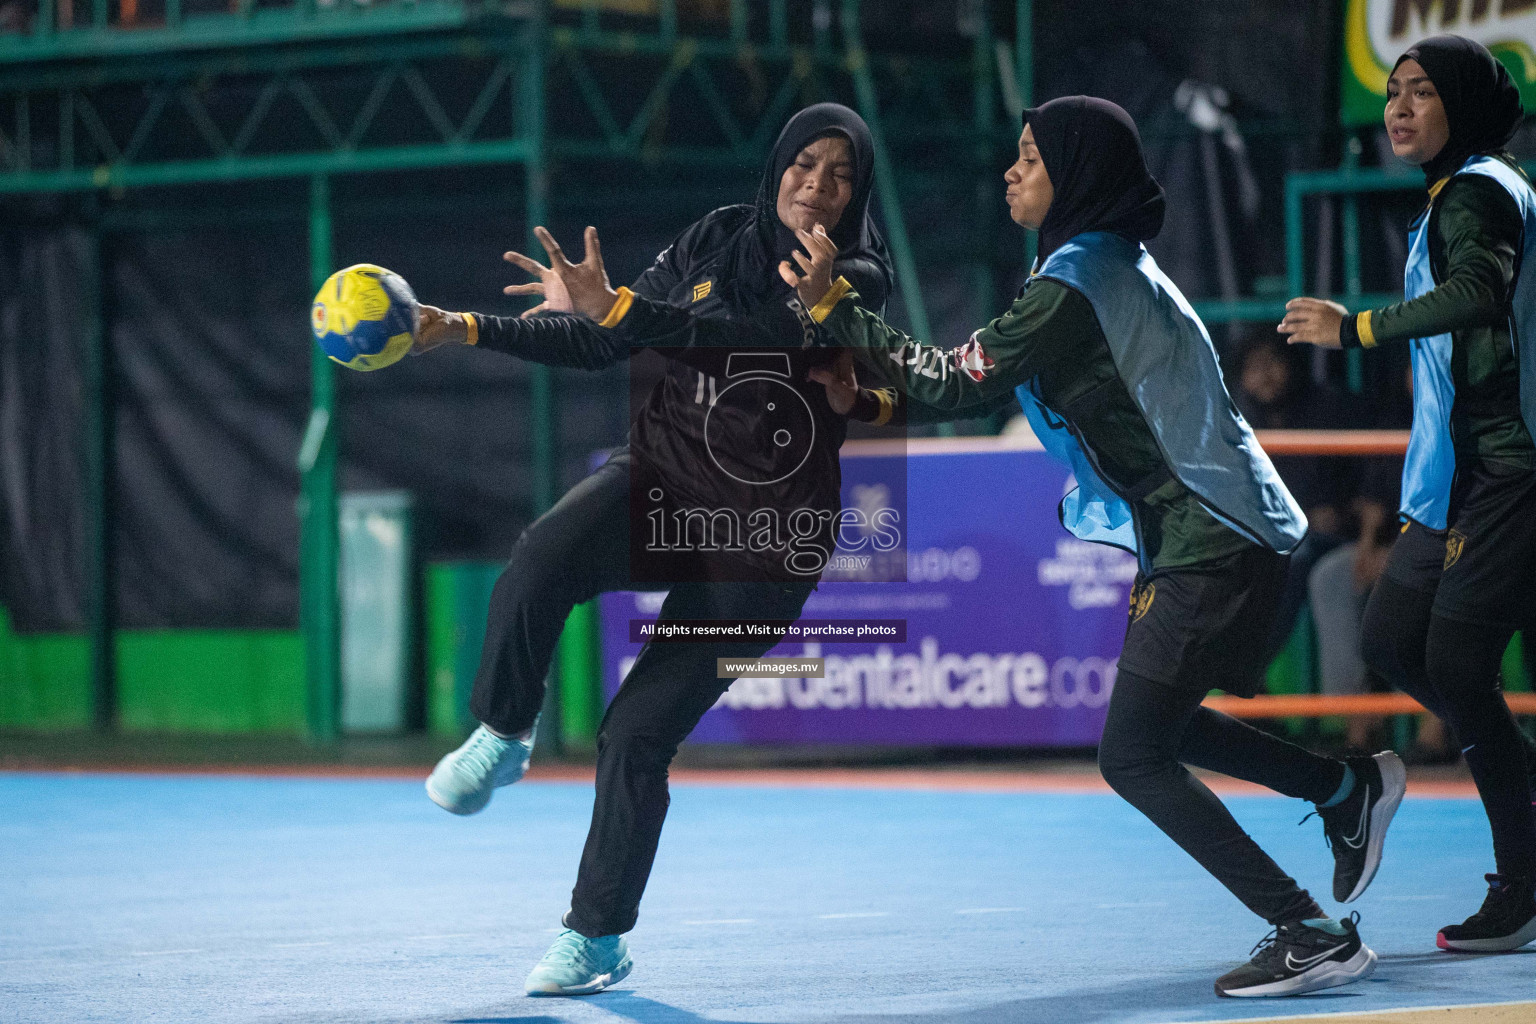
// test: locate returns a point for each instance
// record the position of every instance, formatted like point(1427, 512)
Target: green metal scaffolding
point(111, 100)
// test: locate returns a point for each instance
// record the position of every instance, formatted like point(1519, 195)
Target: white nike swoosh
point(1301, 965)
point(1357, 840)
point(1468, 747)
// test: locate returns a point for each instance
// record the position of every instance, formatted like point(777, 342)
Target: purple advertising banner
point(1013, 625)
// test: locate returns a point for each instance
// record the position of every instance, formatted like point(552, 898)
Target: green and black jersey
point(1049, 333)
point(1474, 241)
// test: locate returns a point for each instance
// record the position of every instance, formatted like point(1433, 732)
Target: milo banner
point(1011, 625)
point(1376, 32)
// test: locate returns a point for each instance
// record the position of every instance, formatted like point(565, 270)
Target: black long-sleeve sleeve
point(566, 339)
point(561, 339)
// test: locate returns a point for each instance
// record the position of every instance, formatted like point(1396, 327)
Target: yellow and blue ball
point(364, 317)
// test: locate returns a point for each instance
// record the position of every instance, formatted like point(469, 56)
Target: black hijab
point(1092, 153)
point(752, 274)
point(1482, 104)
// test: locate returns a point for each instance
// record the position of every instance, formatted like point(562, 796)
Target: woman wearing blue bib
point(1120, 381)
point(1457, 584)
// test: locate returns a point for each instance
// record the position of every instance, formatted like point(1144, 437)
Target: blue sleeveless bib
point(1431, 461)
point(1165, 358)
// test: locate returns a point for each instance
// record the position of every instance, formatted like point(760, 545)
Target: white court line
point(1126, 906)
point(1337, 1014)
point(725, 920)
point(429, 938)
point(166, 952)
point(844, 917)
point(992, 910)
point(298, 945)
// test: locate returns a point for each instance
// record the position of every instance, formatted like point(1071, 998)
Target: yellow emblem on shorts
point(702, 290)
point(1142, 595)
point(1455, 541)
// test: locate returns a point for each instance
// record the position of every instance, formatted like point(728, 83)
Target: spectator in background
point(16, 16)
point(1342, 580)
point(1273, 393)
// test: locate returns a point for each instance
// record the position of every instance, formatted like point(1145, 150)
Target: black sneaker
point(1356, 828)
point(1297, 958)
point(1506, 921)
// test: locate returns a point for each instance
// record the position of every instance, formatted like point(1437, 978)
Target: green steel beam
point(885, 174)
point(1024, 49)
point(100, 472)
point(189, 172)
point(261, 27)
point(288, 58)
point(1349, 181)
point(1260, 310)
point(528, 121)
point(1024, 59)
point(1354, 369)
point(319, 593)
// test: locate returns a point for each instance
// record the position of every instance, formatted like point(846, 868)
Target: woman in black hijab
point(1457, 584)
point(1092, 149)
point(725, 436)
point(1119, 380)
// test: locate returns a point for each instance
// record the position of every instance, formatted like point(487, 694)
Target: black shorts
point(1205, 626)
point(1483, 568)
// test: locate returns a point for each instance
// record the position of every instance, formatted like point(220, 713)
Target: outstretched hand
point(548, 287)
point(816, 280)
point(1313, 322)
point(566, 287)
point(839, 380)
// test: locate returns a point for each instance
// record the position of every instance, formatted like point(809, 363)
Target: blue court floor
point(221, 899)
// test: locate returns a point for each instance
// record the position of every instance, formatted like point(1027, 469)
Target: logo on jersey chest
point(701, 290)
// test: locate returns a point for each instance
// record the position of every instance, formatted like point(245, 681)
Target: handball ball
point(364, 317)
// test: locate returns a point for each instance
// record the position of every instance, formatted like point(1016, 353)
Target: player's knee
point(1131, 769)
point(636, 748)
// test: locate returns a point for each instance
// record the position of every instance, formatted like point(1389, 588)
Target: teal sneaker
point(578, 966)
point(463, 781)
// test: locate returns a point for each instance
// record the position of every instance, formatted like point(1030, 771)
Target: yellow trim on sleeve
point(823, 309)
point(472, 329)
point(887, 407)
point(1363, 328)
point(619, 309)
point(1434, 190)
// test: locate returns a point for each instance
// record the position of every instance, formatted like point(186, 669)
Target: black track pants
point(577, 550)
point(1154, 729)
point(1452, 668)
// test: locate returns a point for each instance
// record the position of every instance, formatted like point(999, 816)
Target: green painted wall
point(45, 680)
point(169, 680)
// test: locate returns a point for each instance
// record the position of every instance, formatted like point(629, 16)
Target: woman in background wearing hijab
point(679, 457)
point(1119, 380)
point(1458, 581)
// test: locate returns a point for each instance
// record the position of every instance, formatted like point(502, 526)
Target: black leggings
point(575, 551)
point(1154, 729)
point(1452, 668)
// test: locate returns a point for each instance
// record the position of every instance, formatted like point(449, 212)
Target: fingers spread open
point(594, 247)
point(529, 264)
point(540, 308)
point(788, 274)
point(557, 258)
point(806, 262)
point(529, 288)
